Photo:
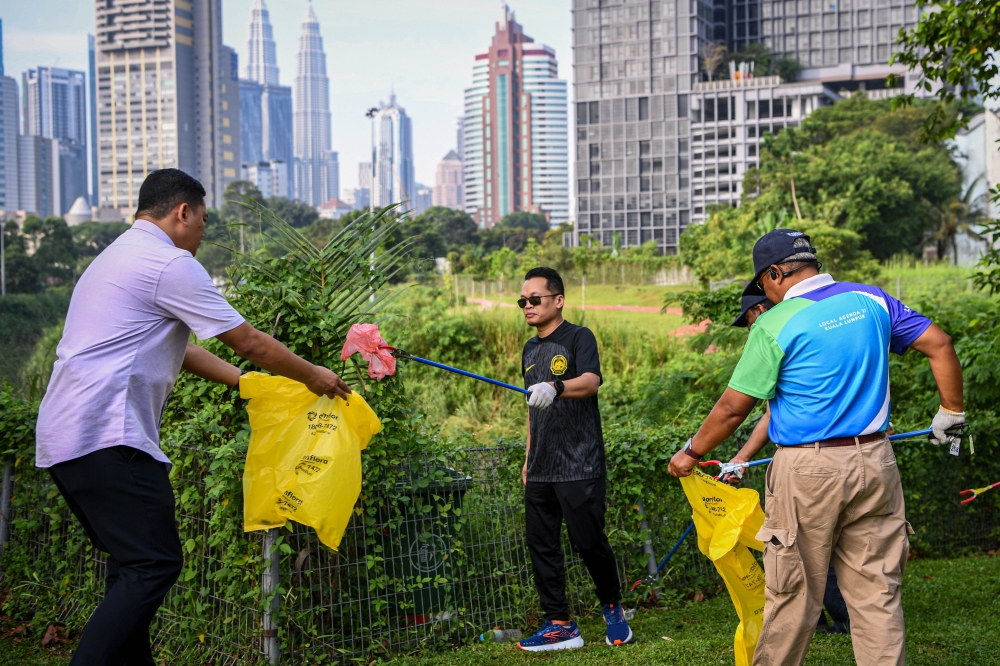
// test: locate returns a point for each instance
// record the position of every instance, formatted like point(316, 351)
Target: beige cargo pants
point(842, 505)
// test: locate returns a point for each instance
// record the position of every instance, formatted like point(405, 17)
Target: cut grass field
point(950, 607)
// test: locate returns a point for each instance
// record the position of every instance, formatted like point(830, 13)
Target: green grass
point(950, 609)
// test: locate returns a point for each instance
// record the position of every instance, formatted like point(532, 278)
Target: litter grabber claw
point(733, 468)
point(976, 492)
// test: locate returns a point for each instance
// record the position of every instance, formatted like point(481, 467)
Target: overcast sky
point(425, 48)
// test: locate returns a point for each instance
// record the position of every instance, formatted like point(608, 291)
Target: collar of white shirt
point(809, 284)
point(150, 228)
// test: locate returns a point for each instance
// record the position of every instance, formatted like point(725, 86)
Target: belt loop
point(817, 447)
point(857, 441)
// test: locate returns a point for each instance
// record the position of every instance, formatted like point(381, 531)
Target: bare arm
point(727, 415)
point(205, 364)
point(269, 354)
point(583, 386)
point(936, 345)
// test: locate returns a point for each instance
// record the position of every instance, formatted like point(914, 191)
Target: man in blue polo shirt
point(820, 359)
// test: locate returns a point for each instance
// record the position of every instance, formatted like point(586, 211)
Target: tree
point(713, 58)
point(456, 228)
point(297, 213)
point(523, 219)
point(843, 167)
point(21, 272)
point(586, 258)
point(503, 265)
point(765, 63)
point(953, 50)
point(92, 237)
point(55, 252)
point(962, 215)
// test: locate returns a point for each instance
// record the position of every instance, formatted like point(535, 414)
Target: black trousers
point(581, 504)
point(124, 500)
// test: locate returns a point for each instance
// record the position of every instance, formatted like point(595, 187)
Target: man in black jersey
point(564, 465)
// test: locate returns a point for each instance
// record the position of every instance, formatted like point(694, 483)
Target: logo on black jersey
point(559, 365)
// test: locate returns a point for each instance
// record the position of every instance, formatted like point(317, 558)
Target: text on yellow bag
point(727, 520)
point(304, 458)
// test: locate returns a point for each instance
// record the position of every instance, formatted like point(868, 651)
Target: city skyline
point(364, 58)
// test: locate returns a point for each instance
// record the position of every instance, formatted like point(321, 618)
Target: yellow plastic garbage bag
point(304, 459)
point(727, 520)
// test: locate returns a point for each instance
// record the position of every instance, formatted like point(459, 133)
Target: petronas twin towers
point(315, 167)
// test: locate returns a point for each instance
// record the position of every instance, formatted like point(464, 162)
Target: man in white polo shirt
point(124, 344)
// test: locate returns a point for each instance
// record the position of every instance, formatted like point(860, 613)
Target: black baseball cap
point(780, 245)
point(752, 295)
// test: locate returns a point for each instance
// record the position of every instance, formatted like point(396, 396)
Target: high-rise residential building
point(55, 107)
point(271, 178)
point(266, 118)
point(365, 175)
point(92, 111)
point(448, 182)
point(229, 115)
point(38, 176)
point(423, 198)
point(515, 149)
point(393, 177)
point(9, 121)
point(657, 142)
point(312, 113)
point(161, 70)
point(331, 175)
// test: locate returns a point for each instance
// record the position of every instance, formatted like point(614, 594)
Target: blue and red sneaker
point(553, 637)
point(619, 632)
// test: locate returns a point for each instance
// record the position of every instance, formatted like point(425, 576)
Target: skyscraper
point(160, 76)
point(92, 110)
point(515, 148)
point(312, 113)
point(266, 118)
point(448, 182)
point(393, 156)
point(55, 107)
point(9, 121)
point(656, 140)
point(262, 60)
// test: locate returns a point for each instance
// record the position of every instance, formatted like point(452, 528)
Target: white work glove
point(542, 395)
point(944, 420)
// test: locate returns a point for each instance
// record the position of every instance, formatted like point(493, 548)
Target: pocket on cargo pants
point(783, 570)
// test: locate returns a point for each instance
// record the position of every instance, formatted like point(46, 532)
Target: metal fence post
point(7, 490)
point(647, 547)
point(269, 583)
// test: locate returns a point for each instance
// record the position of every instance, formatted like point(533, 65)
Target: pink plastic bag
point(365, 339)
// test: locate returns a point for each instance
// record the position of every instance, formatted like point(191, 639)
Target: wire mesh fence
point(436, 559)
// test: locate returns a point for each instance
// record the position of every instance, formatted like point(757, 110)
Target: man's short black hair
point(553, 281)
point(165, 188)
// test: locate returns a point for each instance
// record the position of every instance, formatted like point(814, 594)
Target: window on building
point(764, 107)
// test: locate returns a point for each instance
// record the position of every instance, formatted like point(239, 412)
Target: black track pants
point(124, 500)
point(581, 504)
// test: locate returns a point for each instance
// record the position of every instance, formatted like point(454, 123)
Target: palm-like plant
point(960, 216)
point(310, 296)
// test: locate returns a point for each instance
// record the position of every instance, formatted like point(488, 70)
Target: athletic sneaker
point(618, 629)
point(553, 637)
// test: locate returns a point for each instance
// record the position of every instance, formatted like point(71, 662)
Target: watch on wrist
point(689, 451)
point(559, 386)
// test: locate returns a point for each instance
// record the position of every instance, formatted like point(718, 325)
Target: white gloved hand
point(944, 420)
point(542, 395)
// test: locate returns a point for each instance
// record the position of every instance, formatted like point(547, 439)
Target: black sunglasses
point(534, 300)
